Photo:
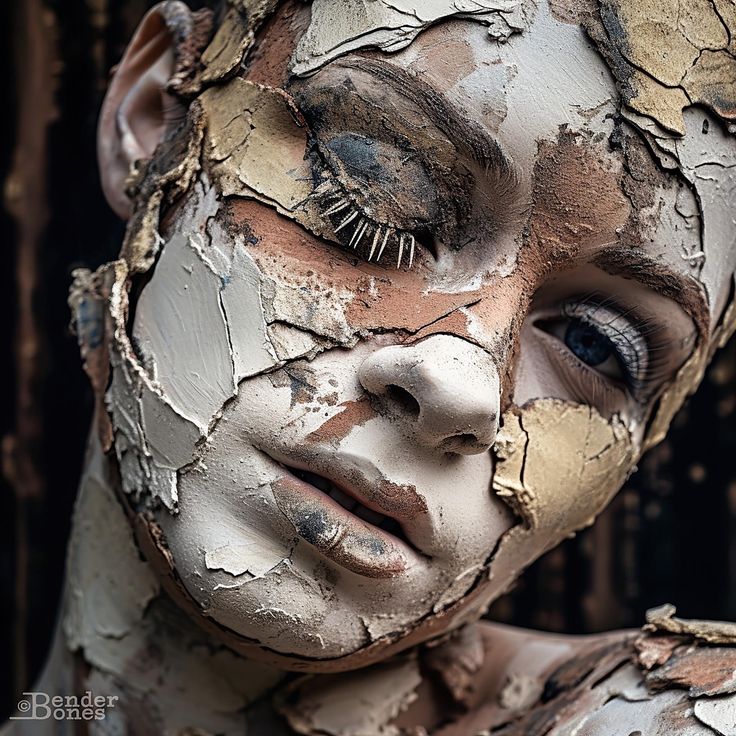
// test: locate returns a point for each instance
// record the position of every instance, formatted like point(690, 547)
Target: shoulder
point(674, 677)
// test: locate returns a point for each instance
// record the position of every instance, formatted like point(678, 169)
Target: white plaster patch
point(338, 27)
point(182, 332)
point(718, 713)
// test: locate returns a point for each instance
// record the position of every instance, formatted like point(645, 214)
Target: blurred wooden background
point(669, 536)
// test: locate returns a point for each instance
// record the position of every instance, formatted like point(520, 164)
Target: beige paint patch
point(544, 480)
point(669, 55)
point(256, 144)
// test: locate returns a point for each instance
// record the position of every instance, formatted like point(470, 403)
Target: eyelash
point(628, 341)
point(635, 346)
point(338, 208)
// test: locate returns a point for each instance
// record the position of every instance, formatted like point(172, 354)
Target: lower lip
point(339, 535)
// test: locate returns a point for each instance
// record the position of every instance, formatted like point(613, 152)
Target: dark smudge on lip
point(342, 537)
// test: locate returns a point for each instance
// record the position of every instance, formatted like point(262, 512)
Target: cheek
point(558, 465)
point(324, 288)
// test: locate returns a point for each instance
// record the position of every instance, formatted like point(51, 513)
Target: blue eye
point(588, 343)
point(603, 338)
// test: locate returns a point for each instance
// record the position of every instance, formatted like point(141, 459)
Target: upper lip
point(346, 477)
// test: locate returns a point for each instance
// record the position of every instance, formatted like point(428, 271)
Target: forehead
point(525, 74)
point(521, 85)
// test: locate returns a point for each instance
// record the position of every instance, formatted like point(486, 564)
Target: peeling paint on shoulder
point(339, 27)
point(713, 632)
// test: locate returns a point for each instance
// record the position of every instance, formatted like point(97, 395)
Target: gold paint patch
point(551, 454)
point(668, 55)
point(255, 144)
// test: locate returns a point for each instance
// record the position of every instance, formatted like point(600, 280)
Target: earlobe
point(136, 108)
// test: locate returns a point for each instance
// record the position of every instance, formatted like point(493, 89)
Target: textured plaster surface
point(351, 271)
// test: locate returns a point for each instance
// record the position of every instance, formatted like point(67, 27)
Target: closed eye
point(370, 239)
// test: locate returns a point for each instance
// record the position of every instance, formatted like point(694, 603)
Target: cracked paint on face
point(315, 431)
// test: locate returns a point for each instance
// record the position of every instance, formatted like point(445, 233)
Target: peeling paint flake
point(713, 632)
point(255, 145)
point(719, 714)
point(361, 702)
point(668, 55)
point(543, 482)
point(339, 27)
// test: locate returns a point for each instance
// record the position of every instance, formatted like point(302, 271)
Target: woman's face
point(405, 331)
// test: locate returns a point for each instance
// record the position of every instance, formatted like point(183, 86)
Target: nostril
point(463, 444)
point(404, 399)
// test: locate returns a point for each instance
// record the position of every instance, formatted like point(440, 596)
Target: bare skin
point(387, 325)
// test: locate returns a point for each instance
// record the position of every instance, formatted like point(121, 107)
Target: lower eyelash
point(583, 381)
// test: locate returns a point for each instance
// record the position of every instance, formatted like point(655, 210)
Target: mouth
point(350, 504)
point(341, 527)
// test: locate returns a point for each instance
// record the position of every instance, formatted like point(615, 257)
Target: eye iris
point(587, 343)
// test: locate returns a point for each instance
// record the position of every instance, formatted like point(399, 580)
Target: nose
point(446, 388)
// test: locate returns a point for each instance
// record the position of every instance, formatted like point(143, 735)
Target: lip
point(340, 535)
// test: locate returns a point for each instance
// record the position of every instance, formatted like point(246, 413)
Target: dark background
point(670, 535)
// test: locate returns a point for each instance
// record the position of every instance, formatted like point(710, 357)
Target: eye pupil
point(587, 343)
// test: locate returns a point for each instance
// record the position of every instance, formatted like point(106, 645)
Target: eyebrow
point(685, 290)
point(470, 139)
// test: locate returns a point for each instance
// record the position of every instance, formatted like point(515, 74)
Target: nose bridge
point(445, 387)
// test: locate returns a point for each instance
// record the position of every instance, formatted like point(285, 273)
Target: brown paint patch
point(703, 671)
point(578, 201)
point(338, 427)
point(444, 57)
point(402, 498)
point(269, 59)
point(383, 297)
point(655, 650)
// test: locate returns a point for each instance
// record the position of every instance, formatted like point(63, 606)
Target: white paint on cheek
point(291, 343)
point(253, 549)
point(295, 304)
point(182, 332)
point(241, 302)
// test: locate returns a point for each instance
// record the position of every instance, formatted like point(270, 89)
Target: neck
point(120, 635)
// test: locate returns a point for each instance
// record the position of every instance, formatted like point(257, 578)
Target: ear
point(137, 106)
